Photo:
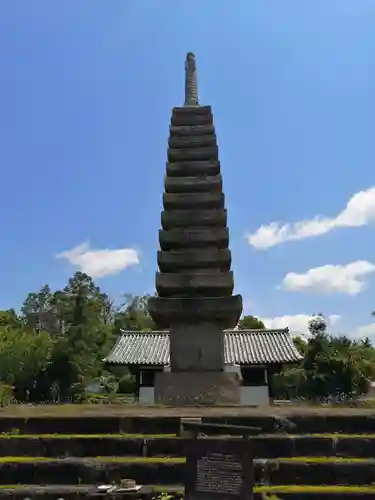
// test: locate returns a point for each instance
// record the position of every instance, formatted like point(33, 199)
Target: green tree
point(10, 319)
point(289, 383)
point(333, 367)
point(301, 345)
point(40, 311)
point(86, 336)
point(24, 353)
point(250, 323)
point(58, 342)
point(133, 314)
point(80, 321)
point(336, 366)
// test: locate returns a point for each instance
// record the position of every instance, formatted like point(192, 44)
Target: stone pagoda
point(195, 300)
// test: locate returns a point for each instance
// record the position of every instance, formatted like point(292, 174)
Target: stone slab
point(193, 168)
point(185, 238)
point(192, 130)
point(195, 283)
point(194, 141)
point(196, 153)
point(188, 110)
point(211, 257)
point(218, 468)
point(224, 311)
point(197, 388)
point(181, 201)
point(197, 347)
point(191, 119)
point(171, 219)
point(199, 183)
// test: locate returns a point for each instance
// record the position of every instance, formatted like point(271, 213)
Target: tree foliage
point(54, 348)
point(333, 368)
point(250, 323)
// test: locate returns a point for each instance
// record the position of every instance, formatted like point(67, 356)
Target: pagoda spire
point(191, 88)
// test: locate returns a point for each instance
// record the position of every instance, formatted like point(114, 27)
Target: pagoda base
point(197, 388)
point(196, 348)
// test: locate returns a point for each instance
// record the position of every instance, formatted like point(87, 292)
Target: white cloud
point(365, 331)
point(333, 319)
point(359, 211)
point(326, 279)
point(298, 324)
point(100, 263)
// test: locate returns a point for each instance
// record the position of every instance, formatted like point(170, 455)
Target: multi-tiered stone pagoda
point(192, 360)
point(194, 284)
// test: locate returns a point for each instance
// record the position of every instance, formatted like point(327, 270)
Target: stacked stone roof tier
point(194, 282)
point(219, 310)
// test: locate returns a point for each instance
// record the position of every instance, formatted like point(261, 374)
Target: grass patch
point(292, 489)
point(330, 436)
point(12, 486)
point(5, 460)
point(180, 460)
point(14, 435)
point(314, 489)
point(149, 460)
point(318, 460)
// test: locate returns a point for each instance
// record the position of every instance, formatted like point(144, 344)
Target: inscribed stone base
point(197, 388)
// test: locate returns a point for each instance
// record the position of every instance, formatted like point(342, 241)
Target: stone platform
point(197, 388)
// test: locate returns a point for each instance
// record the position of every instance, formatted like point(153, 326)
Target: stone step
point(76, 492)
point(192, 130)
point(197, 184)
point(69, 420)
point(193, 168)
point(338, 424)
point(264, 446)
point(224, 311)
point(193, 153)
point(194, 238)
point(278, 445)
point(176, 492)
point(173, 201)
point(171, 219)
point(214, 284)
point(91, 471)
point(200, 258)
point(193, 141)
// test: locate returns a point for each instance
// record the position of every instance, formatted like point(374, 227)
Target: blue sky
point(86, 93)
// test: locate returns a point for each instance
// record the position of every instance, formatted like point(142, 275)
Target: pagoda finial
point(191, 89)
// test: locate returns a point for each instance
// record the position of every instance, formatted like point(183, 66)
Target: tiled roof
point(241, 347)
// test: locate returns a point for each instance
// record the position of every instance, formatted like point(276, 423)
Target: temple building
point(253, 354)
